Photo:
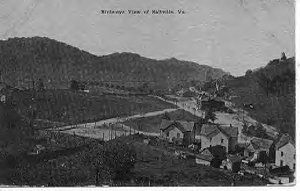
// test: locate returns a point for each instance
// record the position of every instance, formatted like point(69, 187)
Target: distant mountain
point(23, 60)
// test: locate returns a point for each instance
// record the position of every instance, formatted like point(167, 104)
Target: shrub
point(113, 162)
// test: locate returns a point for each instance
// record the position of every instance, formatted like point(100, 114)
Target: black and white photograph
point(147, 93)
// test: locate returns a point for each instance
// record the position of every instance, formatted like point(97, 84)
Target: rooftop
point(217, 151)
point(210, 130)
point(283, 140)
point(204, 157)
point(261, 144)
point(184, 126)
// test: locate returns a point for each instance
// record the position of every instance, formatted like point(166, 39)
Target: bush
point(74, 85)
point(113, 162)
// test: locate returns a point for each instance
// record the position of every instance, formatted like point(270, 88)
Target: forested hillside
point(26, 60)
point(271, 90)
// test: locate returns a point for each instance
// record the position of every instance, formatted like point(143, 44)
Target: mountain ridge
point(28, 59)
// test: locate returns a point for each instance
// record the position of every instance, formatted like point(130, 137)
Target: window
point(281, 162)
point(294, 156)
point(167, 134)
point(222, 140)
point(294, 166)
point(281, 153)
point(178, 135)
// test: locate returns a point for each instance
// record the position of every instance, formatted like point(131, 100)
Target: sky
point(234, 35)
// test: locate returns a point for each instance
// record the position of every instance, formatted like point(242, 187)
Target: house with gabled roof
point(211, 134)
point(257, 148)
point(212, 156)
point(232, 163)
point(179, 132)
point(285, 152)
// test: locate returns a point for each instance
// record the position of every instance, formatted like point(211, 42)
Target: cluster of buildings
point(203, 135)
point(217, 146)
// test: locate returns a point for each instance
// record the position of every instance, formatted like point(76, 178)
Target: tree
point(145, 87)
point(245, 128)
point(74, 85)
point(40, 85)
point(263, 158)
point(283, 57)
point(112, 162)
point(14, 134)
point(248, 72)
point(260, 131)
point(264, 81)
point(166, 116)
point(210, 115)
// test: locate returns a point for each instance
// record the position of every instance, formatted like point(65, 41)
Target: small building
point(37, 149)
point(258, 148)
point(178, 132)
point(232, 163)
point(5, 92)
point(211, 134)
point(146, 141)
point(3, 98)
point(180, 92)
point(203, 159)
point(285, 152)
point(215, 154)
point(283, 174)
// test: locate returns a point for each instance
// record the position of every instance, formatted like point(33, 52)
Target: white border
point(265, 188)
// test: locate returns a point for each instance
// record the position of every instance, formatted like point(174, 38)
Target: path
point(187, 106)
point(112, 130)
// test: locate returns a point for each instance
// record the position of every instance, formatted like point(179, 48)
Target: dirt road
point(107, 129)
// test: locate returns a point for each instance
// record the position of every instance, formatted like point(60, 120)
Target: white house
point(177, 131)
point(3, 98)
point(285, 153)
point(212, 134)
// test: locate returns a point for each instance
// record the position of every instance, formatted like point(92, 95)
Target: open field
point(152, 124)
point(58, 165)
point(76, 107)
point(108, 129)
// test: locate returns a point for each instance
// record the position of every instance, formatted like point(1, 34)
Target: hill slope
point(23, 60)
point(271, 90)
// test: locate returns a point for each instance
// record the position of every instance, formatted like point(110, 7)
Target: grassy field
point(158, 166)
point(60, 164)
point(75, 107)
point(152, 124)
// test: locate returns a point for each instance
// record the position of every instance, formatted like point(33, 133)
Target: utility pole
point(111, 132)
point(243, 115)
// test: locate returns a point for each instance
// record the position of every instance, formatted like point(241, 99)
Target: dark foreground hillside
point(126, 161)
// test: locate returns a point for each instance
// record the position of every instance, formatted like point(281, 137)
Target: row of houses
point(217, 145)
point(204, 135)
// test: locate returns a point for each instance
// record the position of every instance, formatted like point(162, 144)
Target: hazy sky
point(234, 35)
